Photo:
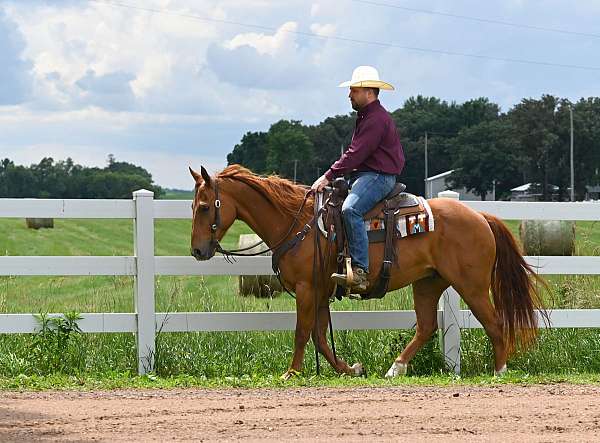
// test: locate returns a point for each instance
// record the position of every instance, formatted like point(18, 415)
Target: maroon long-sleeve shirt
point(375, 145)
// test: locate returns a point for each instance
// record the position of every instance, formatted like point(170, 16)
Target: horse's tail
point(515, 289)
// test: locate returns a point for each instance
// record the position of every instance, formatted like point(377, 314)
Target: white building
point(531, 192)
point(441, 182)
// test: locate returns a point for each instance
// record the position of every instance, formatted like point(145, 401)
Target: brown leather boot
point(359, 281)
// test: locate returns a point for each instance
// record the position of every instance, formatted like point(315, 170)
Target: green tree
point(536, 130)
point(586, 123)
point(484, 155)
point(288, 145)
point(328, 138)
point(251, 152)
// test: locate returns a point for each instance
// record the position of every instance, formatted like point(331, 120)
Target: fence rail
point(144, 266)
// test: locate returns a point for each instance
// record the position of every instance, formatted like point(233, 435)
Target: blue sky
point(164, 90)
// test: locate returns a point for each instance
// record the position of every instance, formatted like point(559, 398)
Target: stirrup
point(349, 275)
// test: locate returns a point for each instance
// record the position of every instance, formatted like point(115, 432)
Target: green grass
point(177, 194)
point(262, 356)
point(113, 380)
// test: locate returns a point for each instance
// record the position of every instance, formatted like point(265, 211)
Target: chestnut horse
point(471, 251)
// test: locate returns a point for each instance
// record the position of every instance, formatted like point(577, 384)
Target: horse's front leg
point(305, 320)
point(338, 364)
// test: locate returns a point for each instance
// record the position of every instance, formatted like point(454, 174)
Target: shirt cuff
point(329, 175)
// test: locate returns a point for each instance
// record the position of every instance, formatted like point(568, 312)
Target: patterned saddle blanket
point(409, 220)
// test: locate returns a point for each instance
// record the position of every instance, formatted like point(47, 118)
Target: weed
point(56, 347)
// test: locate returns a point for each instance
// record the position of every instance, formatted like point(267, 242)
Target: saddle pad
point(409, 221)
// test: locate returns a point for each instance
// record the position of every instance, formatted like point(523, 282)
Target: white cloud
point(266, 44)
point(179, 84)
point(325, 30)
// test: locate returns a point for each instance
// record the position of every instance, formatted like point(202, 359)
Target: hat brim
point(367, 84)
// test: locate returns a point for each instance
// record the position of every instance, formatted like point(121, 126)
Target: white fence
point(144, 266)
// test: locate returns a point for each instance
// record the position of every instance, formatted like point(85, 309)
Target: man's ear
point(205, 176)
point(196, 176)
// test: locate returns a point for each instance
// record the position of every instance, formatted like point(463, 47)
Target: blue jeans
point(367, 189)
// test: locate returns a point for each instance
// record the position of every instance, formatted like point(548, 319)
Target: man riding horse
point(373, 160)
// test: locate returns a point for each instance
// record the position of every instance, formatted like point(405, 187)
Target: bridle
point(238, 252)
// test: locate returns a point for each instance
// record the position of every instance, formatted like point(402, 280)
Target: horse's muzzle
point(201, 255)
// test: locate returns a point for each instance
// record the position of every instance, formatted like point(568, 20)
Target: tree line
point(486, 147)
point(65, 179)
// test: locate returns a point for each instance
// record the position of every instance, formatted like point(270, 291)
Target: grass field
point(252, 354)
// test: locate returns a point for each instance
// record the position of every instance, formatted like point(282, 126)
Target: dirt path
point(547, 413)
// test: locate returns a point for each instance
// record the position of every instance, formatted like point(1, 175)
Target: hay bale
point(37, 223)
point(257, 285)
point(547, 237)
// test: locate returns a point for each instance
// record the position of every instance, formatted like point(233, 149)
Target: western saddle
point(395, 204)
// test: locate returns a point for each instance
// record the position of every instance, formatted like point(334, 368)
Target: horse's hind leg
point(426, 294)
point(477, 297)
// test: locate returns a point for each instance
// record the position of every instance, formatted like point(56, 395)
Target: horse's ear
point(205, 176)
point(196, 176)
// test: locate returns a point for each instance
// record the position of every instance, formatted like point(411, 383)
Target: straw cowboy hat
point(366, 77)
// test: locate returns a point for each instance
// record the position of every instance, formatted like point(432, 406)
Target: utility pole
point(572, 167)
point(295, 168)
point(426, 170)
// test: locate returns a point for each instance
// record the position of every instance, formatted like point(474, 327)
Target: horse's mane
point(280, 192)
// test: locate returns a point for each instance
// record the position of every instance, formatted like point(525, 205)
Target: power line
point(478, 19)
point(346, 39)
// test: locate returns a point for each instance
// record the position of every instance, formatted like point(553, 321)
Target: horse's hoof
point(289, 374)
point(500, 372)
point(358, 370)
point(397, 369)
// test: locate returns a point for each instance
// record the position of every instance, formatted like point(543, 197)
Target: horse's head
point(211, 215)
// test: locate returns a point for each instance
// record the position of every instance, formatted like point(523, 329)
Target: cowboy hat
point(366, 77)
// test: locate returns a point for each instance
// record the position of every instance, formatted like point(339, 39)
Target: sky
point(169, 83)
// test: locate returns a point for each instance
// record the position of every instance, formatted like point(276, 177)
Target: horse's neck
point(261, 215)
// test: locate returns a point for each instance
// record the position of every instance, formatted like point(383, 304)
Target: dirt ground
point(546, 413)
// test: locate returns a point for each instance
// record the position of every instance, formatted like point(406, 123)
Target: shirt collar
point(369, 108)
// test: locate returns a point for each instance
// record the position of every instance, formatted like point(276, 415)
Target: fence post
point(451, 329)
point(450, 313)
point(143, 244)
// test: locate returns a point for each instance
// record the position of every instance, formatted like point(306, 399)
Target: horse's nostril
point(196, 252)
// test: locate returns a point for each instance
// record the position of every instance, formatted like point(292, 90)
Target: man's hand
point(319, 184)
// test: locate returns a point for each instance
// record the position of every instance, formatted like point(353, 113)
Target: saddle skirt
point(412, 215)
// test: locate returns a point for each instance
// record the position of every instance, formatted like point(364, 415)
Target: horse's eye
point(204, 208)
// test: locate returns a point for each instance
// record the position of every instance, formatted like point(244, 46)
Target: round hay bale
point(257, 285)
point(547, 237)
point(37, 223)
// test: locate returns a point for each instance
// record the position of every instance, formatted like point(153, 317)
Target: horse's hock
point(37, 223)
point(547, 237)
point(257, 285)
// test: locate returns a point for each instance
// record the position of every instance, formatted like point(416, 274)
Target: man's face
point(359, 97)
